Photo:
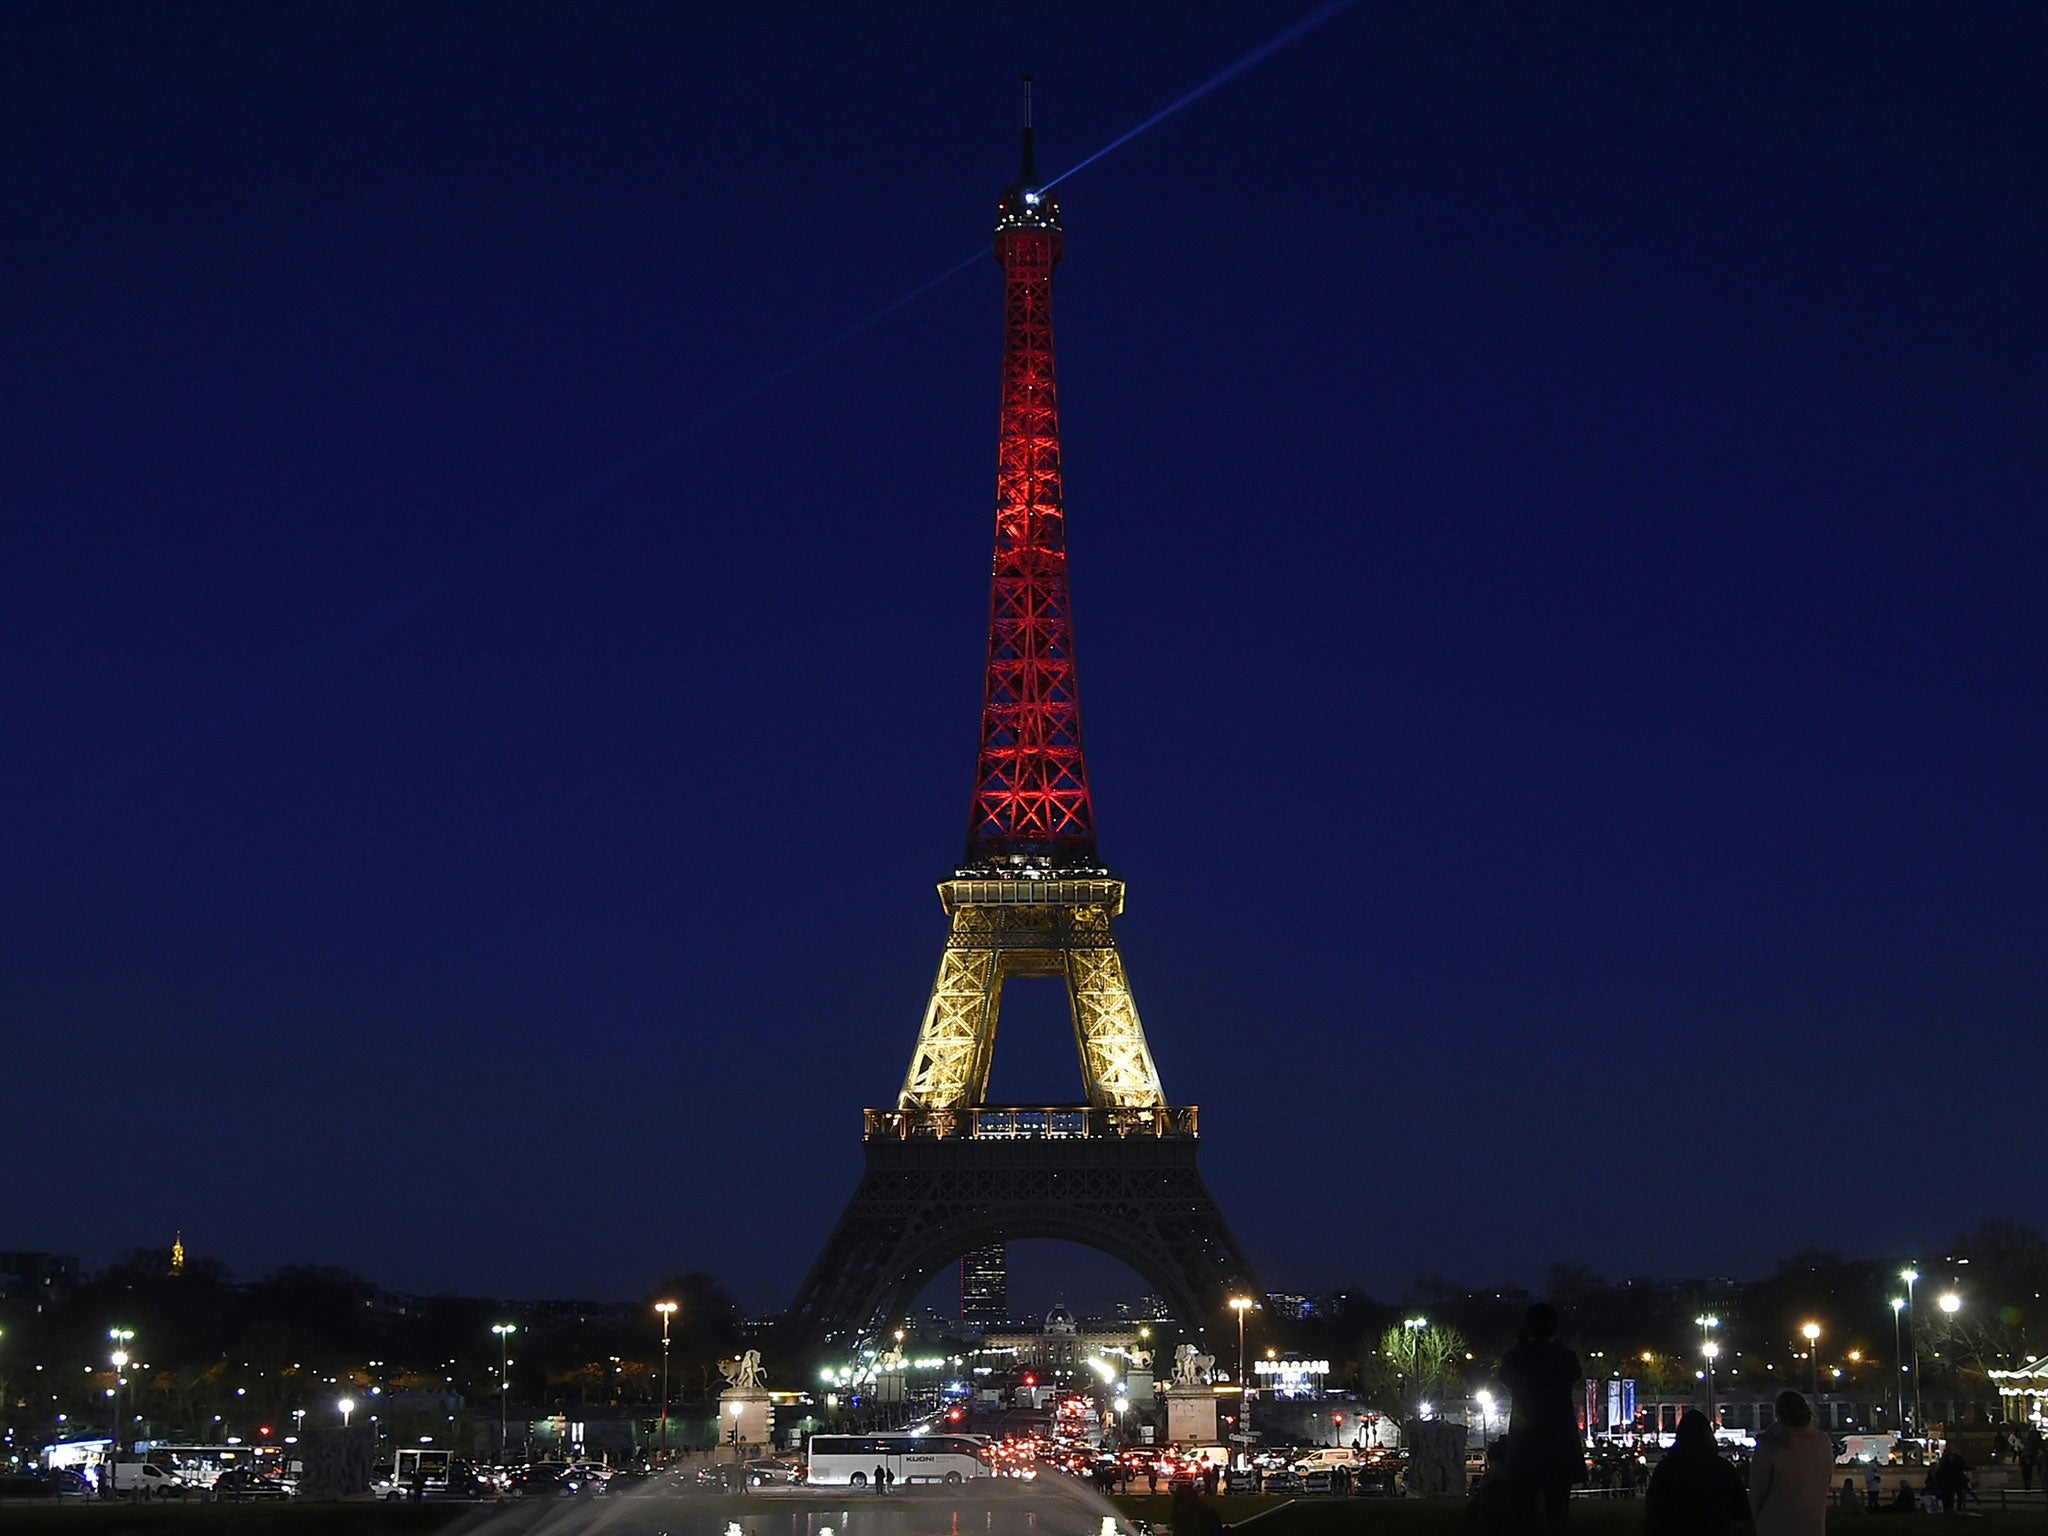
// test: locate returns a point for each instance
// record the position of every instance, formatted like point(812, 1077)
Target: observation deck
point(1047, 1122)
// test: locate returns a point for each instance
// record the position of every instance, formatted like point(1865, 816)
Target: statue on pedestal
point(743, 1374)
point(1192, 1369)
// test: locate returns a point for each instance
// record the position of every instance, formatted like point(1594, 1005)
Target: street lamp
point(1485, 1399)
point(120, 1359)
point(504, 1331)
point(739, 1482)
point(1913, 1323)
point(1951, 1303)
point(1811, 1333)
point(120, 1336)
point(667, 1309)
point(1241, 1305)
point(347, 1406)
point(1899, 1356)
point(1707, 1323)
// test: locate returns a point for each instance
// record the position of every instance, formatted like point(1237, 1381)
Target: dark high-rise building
point(984, 1288)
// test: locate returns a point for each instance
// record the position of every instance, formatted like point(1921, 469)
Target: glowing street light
point(504, 1331)
point(1909, 1275)
point(120, 1337)
point(667, 1309)
point(1811, 1333)
point(347, 1406)
point(1707, 1322)
point(1951, 1303)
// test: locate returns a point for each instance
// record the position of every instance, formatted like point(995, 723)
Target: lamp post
point(504, 1331)
point(347, 1406)
point(1951, 1304)
point(739, 1481)
point(120, 1338)
point(1241, 1305)
point(1485, 1399)
point(1913, 1326)
point(1899, 1358)
point(1711, 1351)
point(120, 1359)
point(1811, 1333)
point(667, 1309)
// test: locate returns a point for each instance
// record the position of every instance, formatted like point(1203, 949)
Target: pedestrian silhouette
point(1191, 1514)
point(1792, 1472)
point(1694, 1492)
point(1951, 1480)
point(1545, 1453)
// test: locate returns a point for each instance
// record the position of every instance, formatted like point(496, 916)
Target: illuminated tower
point(947, 1172)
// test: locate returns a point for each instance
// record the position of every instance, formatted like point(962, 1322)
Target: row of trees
point(1443, 1339)
point(211, 1350)
point(210, 1356)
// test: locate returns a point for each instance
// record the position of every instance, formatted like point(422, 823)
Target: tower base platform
point(941, 1183)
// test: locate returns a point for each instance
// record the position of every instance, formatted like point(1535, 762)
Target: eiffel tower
point(948, 1172)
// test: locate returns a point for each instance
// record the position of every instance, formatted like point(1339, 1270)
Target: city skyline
point(500, 588)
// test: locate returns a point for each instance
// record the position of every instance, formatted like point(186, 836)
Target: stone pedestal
point(1138, 1387)
point(746, 1408)
point(1190, 1414)
point(1436, 1457)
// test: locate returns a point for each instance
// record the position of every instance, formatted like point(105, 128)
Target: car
point(66, 1483)
point(1327, 1458)
point(239, 1483)
point(543, 1479)
point(762, 1474)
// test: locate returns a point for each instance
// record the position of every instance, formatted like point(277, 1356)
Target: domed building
point(1062, 1344)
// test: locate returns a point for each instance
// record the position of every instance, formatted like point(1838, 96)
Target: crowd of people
point(1693, 1491)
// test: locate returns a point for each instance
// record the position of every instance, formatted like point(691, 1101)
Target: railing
point(1051, 1122)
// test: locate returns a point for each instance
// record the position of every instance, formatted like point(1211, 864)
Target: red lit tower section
point(1031, 805)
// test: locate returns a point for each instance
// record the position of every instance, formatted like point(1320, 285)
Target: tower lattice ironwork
point(947, 1172)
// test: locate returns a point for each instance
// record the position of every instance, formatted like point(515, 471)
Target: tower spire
point(1031, 803)
point(1028, 175)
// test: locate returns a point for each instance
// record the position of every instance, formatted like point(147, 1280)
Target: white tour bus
point(851, 1461)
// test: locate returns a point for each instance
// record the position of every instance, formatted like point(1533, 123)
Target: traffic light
point(1030, 1381)
point(954, 1415)
point(1337, 1419)
point(263, 1429)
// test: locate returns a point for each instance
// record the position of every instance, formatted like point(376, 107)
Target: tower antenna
point(1028, 176)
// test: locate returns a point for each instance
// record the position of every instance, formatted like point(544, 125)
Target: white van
point(133, 1476)
point(1867, 1448)
point(1326, 1458)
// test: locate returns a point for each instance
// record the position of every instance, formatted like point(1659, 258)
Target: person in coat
point(1694, 1491)
point(1546, 1454)
point(1791, 1473)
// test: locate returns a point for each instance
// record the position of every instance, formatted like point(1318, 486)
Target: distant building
point(1148, 1308)
point(1063, 1344)
point(34, 1279)
point(985, 1288)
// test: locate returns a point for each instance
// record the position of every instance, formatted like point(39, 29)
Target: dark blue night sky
point(1555, 498)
